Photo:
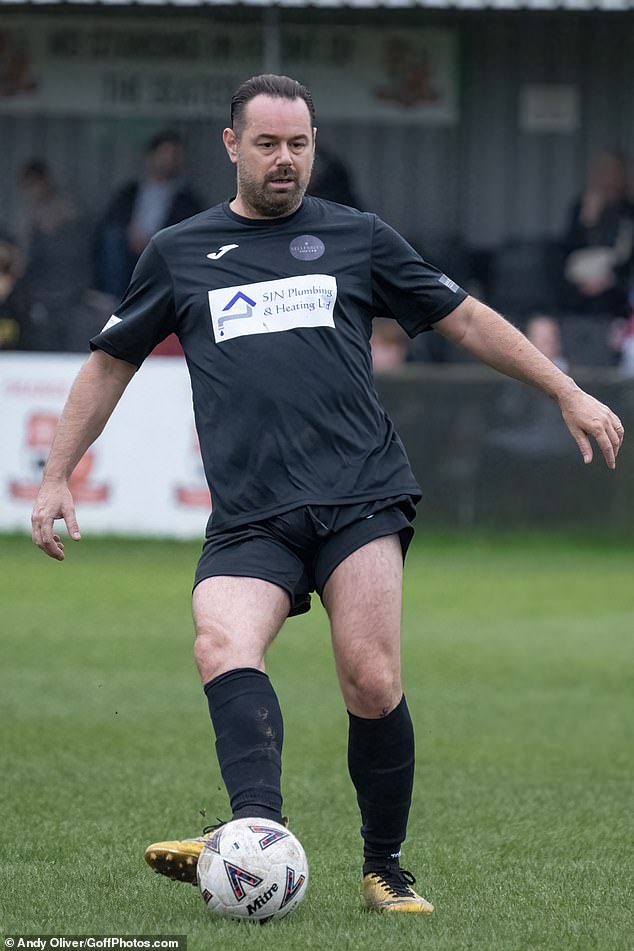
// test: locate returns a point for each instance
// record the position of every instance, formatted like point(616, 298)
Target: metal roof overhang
point(493, 5)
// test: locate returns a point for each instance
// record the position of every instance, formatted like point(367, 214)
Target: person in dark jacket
point(331, 180)
point(141, 208)
point(56, 247)
point(599, 241)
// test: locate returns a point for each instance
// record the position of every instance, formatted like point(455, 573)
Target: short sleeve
point(145, 316)
point(406, 287)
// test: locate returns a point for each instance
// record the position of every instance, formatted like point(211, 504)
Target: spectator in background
point(57, 251)
point(140, 209)
point(524, 426)
point(330, 179)
point(389, 344)
point(522, 429)
point(544, 333)
point(599, 242)
point(14, 299)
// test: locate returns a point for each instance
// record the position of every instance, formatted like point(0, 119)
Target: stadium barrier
point(491, 452)
point(487, 451)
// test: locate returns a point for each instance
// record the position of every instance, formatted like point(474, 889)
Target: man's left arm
point(493, 340)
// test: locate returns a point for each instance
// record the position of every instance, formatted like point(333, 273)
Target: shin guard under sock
point(381, 765)
point(247, 721)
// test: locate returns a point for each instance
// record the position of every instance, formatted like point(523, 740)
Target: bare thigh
point(236, 619)
point(363, 599)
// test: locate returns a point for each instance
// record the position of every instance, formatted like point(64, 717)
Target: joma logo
point(262, 899)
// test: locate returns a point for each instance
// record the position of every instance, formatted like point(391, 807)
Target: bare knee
point(235, 620)
point(215, 654)
point(371, 693)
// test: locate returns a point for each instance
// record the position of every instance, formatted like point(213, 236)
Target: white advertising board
point(152, 65)
point(143, 476)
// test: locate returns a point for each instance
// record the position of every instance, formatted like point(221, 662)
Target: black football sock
point(249, 731)
point(381, 765)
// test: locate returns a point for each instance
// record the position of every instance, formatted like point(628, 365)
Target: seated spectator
point(389, 343)
point(331, 180)
point(58, 261)
point(544, 333)
point(524, 423)
point(141, 208)
point(14, 299)
point(599, 242)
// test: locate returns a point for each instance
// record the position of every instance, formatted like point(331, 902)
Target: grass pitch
point(518, 658)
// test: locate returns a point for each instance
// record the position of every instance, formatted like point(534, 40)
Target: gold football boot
point(390, 890)
point(179, 859)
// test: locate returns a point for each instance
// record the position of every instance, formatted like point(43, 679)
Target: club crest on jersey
point(270, 837)
point(290, 303)
point(293, 885)
point(308, 247)
point(237, 876)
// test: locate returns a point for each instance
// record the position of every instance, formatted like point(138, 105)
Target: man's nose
point(284, 156)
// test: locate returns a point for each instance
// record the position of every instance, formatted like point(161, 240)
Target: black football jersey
point(275, 318)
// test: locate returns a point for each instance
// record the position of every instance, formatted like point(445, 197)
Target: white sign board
point(549, 107)
point(144, 474)
point(161, 66)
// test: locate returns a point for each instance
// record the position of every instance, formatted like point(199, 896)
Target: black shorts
point(299, 550)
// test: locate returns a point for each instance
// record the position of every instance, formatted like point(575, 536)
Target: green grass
point(518, 658)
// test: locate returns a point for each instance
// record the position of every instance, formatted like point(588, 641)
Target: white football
point(254, 869)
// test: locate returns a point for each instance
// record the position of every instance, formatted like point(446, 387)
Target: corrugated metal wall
point(482, 179)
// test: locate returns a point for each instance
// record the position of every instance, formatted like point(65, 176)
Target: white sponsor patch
point(271, 306)
point(111, 323)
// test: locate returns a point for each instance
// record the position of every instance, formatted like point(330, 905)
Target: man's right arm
point(92, 399)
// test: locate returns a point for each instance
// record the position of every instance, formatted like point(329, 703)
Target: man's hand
point(92, 398)
point(54, 500)
point(585, 416)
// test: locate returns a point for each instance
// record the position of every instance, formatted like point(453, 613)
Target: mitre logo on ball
point(252, 869)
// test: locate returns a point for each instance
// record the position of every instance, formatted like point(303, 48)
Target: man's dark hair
point(167, 135)
point(268, 84)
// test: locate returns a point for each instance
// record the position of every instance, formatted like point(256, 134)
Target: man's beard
point(266, 201)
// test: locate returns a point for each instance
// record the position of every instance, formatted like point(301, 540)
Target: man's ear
point(230, 140)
